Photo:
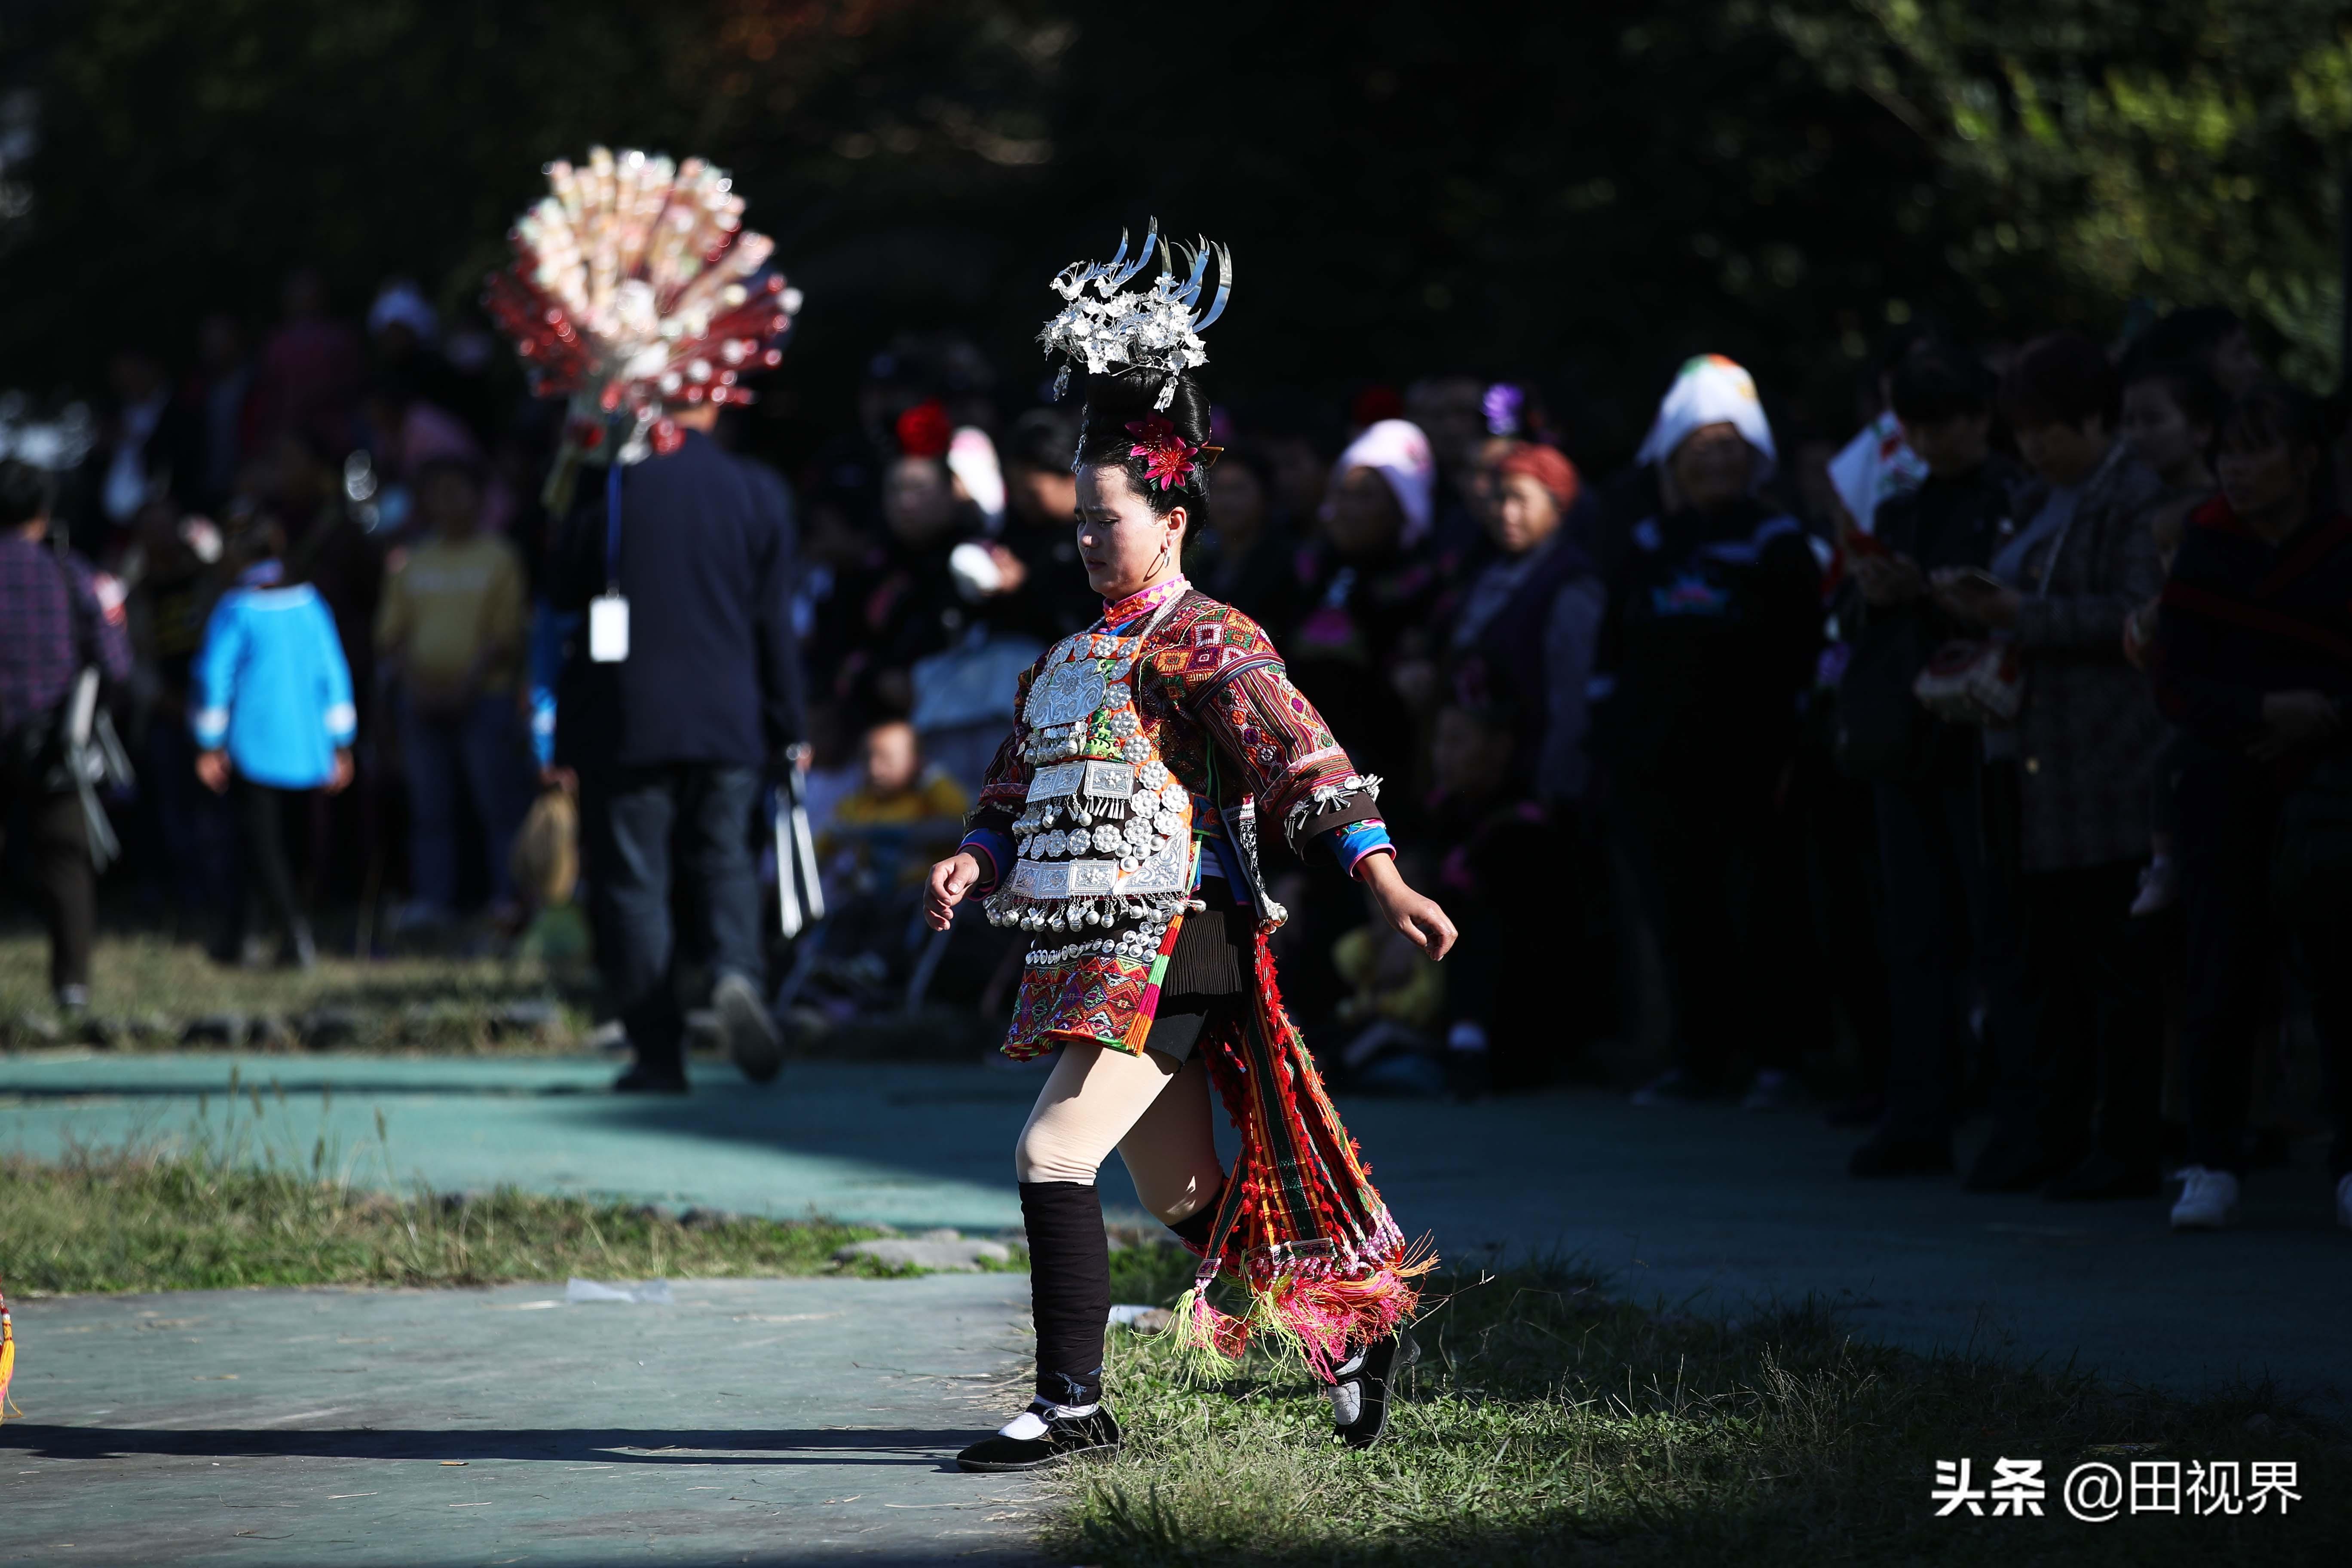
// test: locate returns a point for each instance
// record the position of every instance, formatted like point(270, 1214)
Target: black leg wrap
point(1069, 1287)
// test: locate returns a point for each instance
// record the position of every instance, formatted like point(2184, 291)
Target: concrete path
point(810, 1421)
point(1712, 1206)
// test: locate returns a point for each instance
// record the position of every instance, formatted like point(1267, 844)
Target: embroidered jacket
point(1221, 711)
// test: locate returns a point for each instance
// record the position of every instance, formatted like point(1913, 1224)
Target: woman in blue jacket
point(274, 715)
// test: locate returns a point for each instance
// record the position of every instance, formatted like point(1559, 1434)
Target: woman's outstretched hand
point(951, 878)
point(1422, 921)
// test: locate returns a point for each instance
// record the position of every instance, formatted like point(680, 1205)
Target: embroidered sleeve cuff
point(993, 850)
point(1351, 842)
point(1334, 804)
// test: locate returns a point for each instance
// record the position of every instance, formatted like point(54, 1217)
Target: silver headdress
point(1158, 328)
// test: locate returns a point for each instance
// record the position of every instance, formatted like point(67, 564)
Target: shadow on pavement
point(711, 1446)
point(116, 1089)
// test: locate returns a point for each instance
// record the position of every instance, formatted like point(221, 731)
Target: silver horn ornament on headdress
point(1103, 324)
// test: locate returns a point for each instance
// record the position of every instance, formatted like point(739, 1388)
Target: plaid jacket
point(2088, 735)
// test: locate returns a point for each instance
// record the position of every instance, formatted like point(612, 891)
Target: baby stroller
point(855, 920)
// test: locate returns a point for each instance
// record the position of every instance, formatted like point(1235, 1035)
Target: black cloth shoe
point(2101, 1175)
point(1890, 1156)
point(1041, 1436)
point(2013, 1165)
point(644, 1078)
point(1360, 1398)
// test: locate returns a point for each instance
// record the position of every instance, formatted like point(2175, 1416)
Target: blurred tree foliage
point(1581, 193)
point(2185, 151)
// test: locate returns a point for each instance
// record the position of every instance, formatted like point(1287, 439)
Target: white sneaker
point(2209, 1199)
point(2344, 1202)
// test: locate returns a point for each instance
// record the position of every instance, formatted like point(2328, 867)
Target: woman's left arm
point(1302, 779)
point(1414, 914)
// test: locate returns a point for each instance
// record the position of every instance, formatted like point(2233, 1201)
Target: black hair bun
point(1114, 402)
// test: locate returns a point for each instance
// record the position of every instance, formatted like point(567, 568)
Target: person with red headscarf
point(1523, 641)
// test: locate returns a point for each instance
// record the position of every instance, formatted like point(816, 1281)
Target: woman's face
point(2234, 363)
point(1482, 486)
point(1713, 467)
point(1525, 514)
point(2159, 433)
point(1365, 518)
point(2064, 454)
point(1238, 503)
point(1125, 545)
point(2268, 482)
point(917, 501)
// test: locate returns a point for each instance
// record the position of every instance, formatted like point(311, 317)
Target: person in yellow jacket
point(449, 643)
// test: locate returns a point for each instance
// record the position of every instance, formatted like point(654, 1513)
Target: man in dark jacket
point(1924, 773)
point(685, 685)
point(52, 627)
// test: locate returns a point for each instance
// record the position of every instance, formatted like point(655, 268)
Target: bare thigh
point(1154, 1111)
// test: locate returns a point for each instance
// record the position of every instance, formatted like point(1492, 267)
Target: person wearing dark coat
point(1711, 635)
point(1925, 773)
point(671, 738)
point(2071, 787)
point(2254, 662)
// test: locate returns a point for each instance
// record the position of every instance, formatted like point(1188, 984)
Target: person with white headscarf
point(1713, 629)
point(1371, 585)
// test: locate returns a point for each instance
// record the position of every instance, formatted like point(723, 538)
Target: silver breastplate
point(1105, 835)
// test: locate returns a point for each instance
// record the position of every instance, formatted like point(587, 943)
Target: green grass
point(245, 1200)
point(1548, 1424)
point(179, 1221)
point(145, 990)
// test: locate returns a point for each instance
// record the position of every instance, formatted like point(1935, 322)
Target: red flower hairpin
point(1168, 457)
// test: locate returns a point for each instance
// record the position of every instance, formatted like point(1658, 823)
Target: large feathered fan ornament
point(634, 285)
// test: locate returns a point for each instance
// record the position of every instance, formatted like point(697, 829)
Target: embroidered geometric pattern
point(1210, 683)
point(1103, 998)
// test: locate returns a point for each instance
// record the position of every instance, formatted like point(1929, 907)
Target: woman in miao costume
point(1118, 829)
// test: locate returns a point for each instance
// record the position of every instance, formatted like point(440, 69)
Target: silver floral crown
point(1155, 329)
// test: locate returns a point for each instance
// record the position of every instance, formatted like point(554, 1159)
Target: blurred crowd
point(1983, 756)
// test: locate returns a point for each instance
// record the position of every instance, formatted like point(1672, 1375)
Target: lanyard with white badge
point(608, 612)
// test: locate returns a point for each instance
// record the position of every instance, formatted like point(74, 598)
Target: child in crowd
point(887, 832)
point(274, 718)
point(874, 850)
point(1530, 941)
point(1396, 1004)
